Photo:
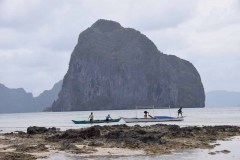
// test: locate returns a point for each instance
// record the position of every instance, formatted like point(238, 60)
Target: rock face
point(18, 100)
point(113, 67)
point(47, 97)
point(15, 100)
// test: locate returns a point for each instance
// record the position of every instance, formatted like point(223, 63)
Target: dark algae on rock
point(113, 67)
point(154, 139)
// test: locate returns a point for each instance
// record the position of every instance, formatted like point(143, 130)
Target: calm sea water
point(194, 117)
point(232, 145)
point(62, 120)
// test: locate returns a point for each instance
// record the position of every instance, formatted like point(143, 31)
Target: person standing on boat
point(91, 117)
point(108, 117)
point(180, 111)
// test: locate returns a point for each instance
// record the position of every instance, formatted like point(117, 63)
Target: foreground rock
point(16, 156)
point(39, 130)
point(113, 67)
point(155, 139)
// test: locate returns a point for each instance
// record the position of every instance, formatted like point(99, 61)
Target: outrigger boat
point(96, 121)
point(153, 119)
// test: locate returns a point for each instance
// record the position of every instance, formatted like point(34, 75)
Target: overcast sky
point(37, 37)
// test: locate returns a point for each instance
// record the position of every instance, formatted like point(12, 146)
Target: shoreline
point(116, 140)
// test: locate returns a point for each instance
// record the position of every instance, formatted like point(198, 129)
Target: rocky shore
point(40, 142)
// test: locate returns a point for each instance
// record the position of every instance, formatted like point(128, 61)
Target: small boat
point(96, 121)
point(153, 119)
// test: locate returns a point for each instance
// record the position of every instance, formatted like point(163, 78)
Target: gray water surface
point(194, 117)
point(63, 120)
point(231, 145)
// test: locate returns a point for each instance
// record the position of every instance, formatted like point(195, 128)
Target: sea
point(193, 117)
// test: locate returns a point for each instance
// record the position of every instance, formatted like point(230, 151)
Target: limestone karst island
point(113, 67)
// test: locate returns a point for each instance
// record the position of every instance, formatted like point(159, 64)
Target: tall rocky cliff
point(113, 67)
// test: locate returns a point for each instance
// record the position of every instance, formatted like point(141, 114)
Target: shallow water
point(62, 120)
point(231, 145)
point(194, 117)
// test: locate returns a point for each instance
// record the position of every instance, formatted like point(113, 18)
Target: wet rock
point(41, 130)
point(122, 126)
point(173, 127)
point(133, 143)
point(71, 135)
point(225, 151)
point(215, 130)
point(180, 133)
point(20, 132)
point(16, 156)
point(41, 147)
point(23, 134)
point(31, 148)
point(74, 135)
point(8, 134)
point(152, 138)
point(53, 130)
point(95, 143)
point(140, 131)
point(68, 146)
point(135, 137)
point(53, 138)
point(36, 130)
point(115, 135)
point(92, 132)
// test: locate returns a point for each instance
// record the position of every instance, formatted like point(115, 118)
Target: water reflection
point(231, 145)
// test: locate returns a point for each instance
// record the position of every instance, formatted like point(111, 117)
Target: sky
point(37, 37)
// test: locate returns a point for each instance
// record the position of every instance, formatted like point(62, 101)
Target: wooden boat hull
point(154, 119)
point(96, 121)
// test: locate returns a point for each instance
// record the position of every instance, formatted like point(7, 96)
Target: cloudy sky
point(37, 37)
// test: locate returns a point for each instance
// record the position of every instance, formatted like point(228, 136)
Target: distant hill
point(15, 100)
point(222, 98)
point(18, 100)
point(46, 98)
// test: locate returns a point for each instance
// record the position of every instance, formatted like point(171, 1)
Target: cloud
point(37, 38)
point(35, 71)
point(22, 15)
point(157, 15)
point(213, 47)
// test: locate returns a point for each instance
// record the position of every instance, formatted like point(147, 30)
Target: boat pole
point(153, 111)
point(169, 110)
point(136, 108)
